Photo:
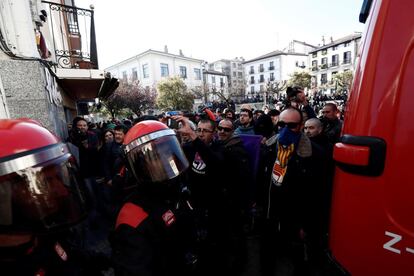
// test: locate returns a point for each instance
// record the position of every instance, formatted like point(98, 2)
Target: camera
point(171, 123)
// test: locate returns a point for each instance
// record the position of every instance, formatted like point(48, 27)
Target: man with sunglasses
point(206, 182)
point(293, 193)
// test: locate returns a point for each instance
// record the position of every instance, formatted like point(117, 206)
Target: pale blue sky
point(216, 29)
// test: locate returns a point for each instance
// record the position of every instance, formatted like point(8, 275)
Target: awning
point(86, 84)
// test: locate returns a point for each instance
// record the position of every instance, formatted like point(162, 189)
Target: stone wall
point(27, 89)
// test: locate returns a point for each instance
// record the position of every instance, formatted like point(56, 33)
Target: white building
point(330, 59)
point(152, 66)
point(273, 67)
point(216, 85)
point(234, 69)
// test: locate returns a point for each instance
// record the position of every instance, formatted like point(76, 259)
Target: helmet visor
point(42, 197)
point(157, 160)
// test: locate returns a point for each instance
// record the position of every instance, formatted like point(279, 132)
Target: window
point(335, 60)
point(346, 44)
point(261, 88)
point(239, 66)
point(197, 74)
point(221, 82)
point(164, 70)
point(272, 65)
point(134, 74)
point(183, 72)
point(324, 63)
point(234, 65)
point(240, 74)
point(347, 57)
point(213, 79)
point(324, 52)
point(324, 78)
point(314, 55)
point(251, 70)
point(252, 89)
point(145, 71)
point(261, 68)
point(234, 74)
point(314, 65)
point(334, 48)
point(251, 80)
point(261, 78)
point(124, 76)
point(272, 76)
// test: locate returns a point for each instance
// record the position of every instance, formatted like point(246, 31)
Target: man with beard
point(246, 122)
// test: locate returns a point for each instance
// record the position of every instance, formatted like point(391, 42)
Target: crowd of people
point(209, 193)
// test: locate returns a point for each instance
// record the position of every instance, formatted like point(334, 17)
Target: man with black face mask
point(291, 193)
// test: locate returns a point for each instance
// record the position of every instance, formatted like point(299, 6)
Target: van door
point(372, 221)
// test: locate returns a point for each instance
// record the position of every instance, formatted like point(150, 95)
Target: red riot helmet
point(39, 188)
point(153, 152)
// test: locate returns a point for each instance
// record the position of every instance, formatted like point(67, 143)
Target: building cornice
point(342, 40)
point(274, 54)
point(150, 51)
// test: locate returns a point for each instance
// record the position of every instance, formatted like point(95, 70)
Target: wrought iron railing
point(73, 34)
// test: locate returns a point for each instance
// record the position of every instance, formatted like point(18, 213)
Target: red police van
point(372, 221)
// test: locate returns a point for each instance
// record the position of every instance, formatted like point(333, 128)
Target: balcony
point(261, 69)
point(251, 72)
point(333, 64)
point(72, 31)
point(314, 68)
point(261, 80)
point(71, 34)
point(271, 78)
point(271, 68)
point(251, 81)
point(347, 61)
point(324, 66)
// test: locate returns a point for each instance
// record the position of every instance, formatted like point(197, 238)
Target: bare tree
point(273, 88)
point(136, 97)
point(114, 103)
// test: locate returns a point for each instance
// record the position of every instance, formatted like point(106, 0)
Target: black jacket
point(148, 237)
point(204, 176)
point(296, 201)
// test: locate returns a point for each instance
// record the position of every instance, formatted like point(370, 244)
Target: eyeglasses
point(290, 125)
point(225, 129)
point(203, 130)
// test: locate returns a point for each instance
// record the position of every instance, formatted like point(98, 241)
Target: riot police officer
point(149, 238)
point(40, 198)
